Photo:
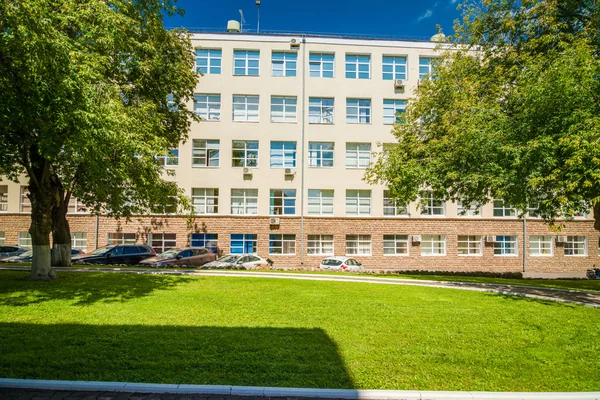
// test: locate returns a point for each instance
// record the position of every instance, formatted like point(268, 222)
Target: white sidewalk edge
point(259, 391)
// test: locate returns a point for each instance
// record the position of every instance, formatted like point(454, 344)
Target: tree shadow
point(521, 298)
point(282, 357)
point(83, 289)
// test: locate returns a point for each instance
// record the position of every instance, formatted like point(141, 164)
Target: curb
point(258, 391)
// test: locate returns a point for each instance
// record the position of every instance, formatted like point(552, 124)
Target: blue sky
point(407, 19)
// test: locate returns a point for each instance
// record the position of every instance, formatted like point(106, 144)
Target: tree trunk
point(41, 226)
point(61, 235)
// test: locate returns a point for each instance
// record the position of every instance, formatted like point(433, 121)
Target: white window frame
point(209, 241)
point(471, 245)
point(358, 202)
point(430, 204)
point(501, 207)
point(426, 70)
point(504, 243)
point(208, 106)
point(24, 240)
point(288, 62)
point(160, 242)
point(538, 244)
point(244, 201)
point(391, 109)
point(321, 199)
point(246, 108)
point(288, 155)
point(320, 245)
point(2, 236)
point(394, 244)
point(356, 61)
point(203, 201)
point(3, 198)
point(287, 244)
point(211, 55)
point(358, 111)
point(433, 245)
point(319, 68)
point(169, 159)
point(245, 155)
point(358, 155)
point(321, 110)
point(121, 238)
point(318, 152)
point(250, 60)
point(79, 240)
point(278, 199)
point(395, 62)
point(471, 211)
point(76, 207)
point(573, 245)
point(359, 245)
point(289, 109)
point(392, 207)
point(207, 149)
point(25, 206)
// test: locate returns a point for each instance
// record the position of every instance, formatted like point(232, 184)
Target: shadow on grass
point(82, 289)
point(283, 357)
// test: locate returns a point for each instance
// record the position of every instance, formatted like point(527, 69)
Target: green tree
point(85, 109)
point(512, 112)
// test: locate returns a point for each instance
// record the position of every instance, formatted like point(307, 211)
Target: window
point(170, 159)
point(320, 110)
point(321, 65)
point(208, 61)
point(469, 245)
point(394, 67)
point(282, 244)
point(426, 65)
point(244, 153)
point(283, 109)
point(246, 62)
point(358, 66)
point(576, 246)
point(3, 198)
point(25, 203)
point(503, 210)
point(320, 154)
point(283, 154)
point(430, 205)
point(171, 104)
point(392, 110)
point(207, 240)
point(245, 108)
point(162, 241)
point(358, 111)
point(1, 238)
point(505, 246)
point(205, 153)
point(433, 245)
point(320, 245)
point(395, 245)
point(540, 245)
point(358, 155)
point(392, 207)
point(283, 63)
point(24, 240)
point(358, 245)
point(242, 243)
point(79, 241)
point(121, 238)
point(205, 200)
point(470, 210)
point(358, 202)
point(320, 202)
point(208, 106)
point(76, 206)
point(283, 202)
point(244, 201)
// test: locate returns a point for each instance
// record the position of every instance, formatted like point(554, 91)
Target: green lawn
point(289, 333)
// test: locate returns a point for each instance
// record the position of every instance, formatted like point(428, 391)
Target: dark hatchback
point(129, 254)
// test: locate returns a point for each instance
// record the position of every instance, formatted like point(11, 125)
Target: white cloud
point(427, 14)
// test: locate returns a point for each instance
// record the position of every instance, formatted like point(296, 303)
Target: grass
point(289, 333)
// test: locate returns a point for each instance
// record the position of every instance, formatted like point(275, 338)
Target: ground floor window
point(395, 245)
point(576, 246)
point(25, 240)
point(162, 241)
point(242, 243)
point(358, 245)
point(433, 245)
point(208, 240)
point(282, 244)
point(469, 245)
point(540, 245)
point(505, 246)
point(1, 238)
point(79, 241)
point(320, 245)
point(121, 238)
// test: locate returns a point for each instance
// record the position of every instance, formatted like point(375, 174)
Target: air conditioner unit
point(490, 239)
point(290, 171)
point(398, 84)
point(294, 44)
point(273, 221)
point(561, 239)
point(247, 171)
point(416, 238)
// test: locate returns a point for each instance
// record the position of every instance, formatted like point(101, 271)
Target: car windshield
point(100, 250)
point(331, 262)
point(169, 253)
point(229, 259)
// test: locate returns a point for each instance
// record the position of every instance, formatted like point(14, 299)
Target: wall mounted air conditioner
point(561, 239)
point(294, 44)
point(289, 171)
point(416, 238)
point(490, 239)
point(273, 221)
point(247, 171)
point(398, 84)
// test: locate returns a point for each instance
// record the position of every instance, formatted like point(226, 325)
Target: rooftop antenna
point(242, 20)
point(258, 12)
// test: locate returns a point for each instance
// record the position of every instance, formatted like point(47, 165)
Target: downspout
point(96, 238)
point(524, 244)
point(304, 62)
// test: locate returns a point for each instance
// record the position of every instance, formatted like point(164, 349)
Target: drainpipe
point(524, 243)
point(96, 239)
point(304, 62)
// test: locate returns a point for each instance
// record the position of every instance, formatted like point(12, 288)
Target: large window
point(431, 205)
point(320, 154)
point(283, 154)
point(283, 109)
point(503, 210)
point(208, 106)
point(358, 245)
point(24, 240)
point(1, 238)
point(426, 67)
point(205, 153)
point(76, 206)
point(244, 201)
point(576, 246)
point(79, 241)
point(162, 241)
point(207, 240)
point(394, 67)
point(3, 198)
point(245, 108)
point(320, 245)
point(358, 155)
point(358, 202)
point(433, 245)
point(282, 244)
point(540, 245)
point(358, 111)
point(392, 110)
point(170, 159)
point(358, 66)
point(121, 238)
point(246, 62)
point(468, 210)
point(505, 246)
point(469, 245)
point(284, 63)
point(241, 243)
point(321, 65)
point(395, 245)
point(282, 202)
point(25, 202)
point(205, 200)
point(208, 61)
point(320, 110)
point(393, 207)
point(320, 202)
point(244, 153)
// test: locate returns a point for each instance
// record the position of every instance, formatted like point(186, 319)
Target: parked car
point(341, 264)
point(187, 256)
point(247, 261)
point(11, 251)
point(28, 256)
point(129, 254)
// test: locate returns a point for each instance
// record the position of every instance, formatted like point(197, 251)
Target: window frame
point(211, 153)
point(396, 242)
point(284, 62)
point(469, 243)
point(360, 242)
point(570, 244)
point(433, 240)
point(206, 197)
point(247, 57)
point(251, 108)
point(316, 59)
point(169, 159)
point(354, 61)
point(209, 58)
point(165, 242)
point(282, 198)
point(469, 212)
point(288, 155)
point(391, 109)
point(243, 241)
point(392, 204)
point(504, 209)
point(500, 246)
point(249, 201)
point(286, 240)
point(324, 202)
point(357, 154)
point(394, 64)
point(430, 73)
point(351, 108)
point(3, 198)
point(319, 244)
point(286, 117)
point(358, 196)
point(208, 241)
point(317, 154)
point(321, 104)
point(247, 154)
point(121, 238)
point(208, 106)
point(428, 204)
point(25, 204)
point(538, 241)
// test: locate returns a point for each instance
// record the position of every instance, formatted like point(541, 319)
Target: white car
point(341, 264)
point(247, 261)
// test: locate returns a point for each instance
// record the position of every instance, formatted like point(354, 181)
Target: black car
point(129, 254)
point(10, 251)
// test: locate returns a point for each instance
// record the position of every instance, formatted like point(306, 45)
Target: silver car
point(246, 261)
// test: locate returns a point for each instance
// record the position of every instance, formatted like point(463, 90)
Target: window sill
point(251, 122)
point(470, 255)
point(433, 255)
point(284, 122)
point(396, 255)
point(541, 255)
point(203, 166)
point(506, 255)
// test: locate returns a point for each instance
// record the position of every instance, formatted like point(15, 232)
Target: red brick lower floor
point(378, 243)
